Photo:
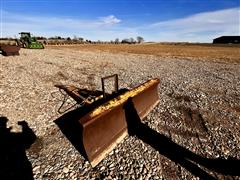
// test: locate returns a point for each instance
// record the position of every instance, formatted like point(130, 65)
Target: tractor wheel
point(19, 43)
point(25, 45)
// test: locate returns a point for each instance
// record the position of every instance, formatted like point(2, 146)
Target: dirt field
point(197, 121)
point(222, 53)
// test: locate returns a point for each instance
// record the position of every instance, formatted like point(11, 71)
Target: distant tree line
point(58, 40)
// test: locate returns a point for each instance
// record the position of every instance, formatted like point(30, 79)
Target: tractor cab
point(25, 34)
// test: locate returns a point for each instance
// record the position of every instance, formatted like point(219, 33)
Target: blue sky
point(162, 20)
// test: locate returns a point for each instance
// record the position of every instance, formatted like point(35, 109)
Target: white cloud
point(110, 20)
point(200, 27)
point(13, 23)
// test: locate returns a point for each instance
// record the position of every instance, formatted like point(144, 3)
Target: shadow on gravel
point(14, 163)
point(175, 152)
point(71, 127)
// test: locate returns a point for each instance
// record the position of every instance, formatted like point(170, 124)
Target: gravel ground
point(199, 110)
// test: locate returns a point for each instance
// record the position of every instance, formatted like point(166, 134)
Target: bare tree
point(132, 40)
point(128, 41)
point(116, 41)
point(140, 39)
point(81, 39)
point(74, 37)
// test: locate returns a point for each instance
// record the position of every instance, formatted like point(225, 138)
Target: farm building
point(227, 40)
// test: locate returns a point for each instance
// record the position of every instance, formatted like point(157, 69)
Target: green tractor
point(26, 41)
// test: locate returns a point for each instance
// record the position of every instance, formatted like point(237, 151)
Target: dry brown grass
point(7, 42)
point(223, 53)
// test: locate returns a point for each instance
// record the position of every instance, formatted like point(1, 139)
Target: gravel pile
point(199, 110)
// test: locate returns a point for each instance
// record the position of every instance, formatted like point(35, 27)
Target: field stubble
point(209, 52)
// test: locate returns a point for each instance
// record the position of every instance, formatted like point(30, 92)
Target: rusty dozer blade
point(9, 50)
point(106, 126)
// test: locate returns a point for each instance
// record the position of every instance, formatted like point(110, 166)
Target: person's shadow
point(14, 163)
point(178, 154)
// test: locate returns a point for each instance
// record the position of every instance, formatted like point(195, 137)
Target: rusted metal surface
point(80, 95)
point(115, 77)
point(106, 126)
point(83, 97)
point(9, 50)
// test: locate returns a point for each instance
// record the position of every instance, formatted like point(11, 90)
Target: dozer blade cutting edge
point(105, 125)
